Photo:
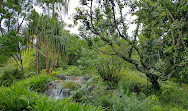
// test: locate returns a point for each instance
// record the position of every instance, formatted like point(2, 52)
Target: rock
point(59, 88)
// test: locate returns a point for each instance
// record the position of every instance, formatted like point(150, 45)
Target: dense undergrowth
point(23, 95)
point(133, 92)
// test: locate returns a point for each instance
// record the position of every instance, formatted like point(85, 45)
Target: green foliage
point(182, 75)
point(9, 76)
point(74, 85)
point(82, 92)
point(122, 102)
point(28, 58)
point(104, 99)
point(100, 96)
point(172, 95)
point(75, 48)
point(10, 63)
point(109, 69)
point(70, 71)
point(9, 46)
point(157, 46)
point(13, 14)
point(35, 83)
point(164, 19)
point(38, 83)
point(19, 97)
point(156, 108)
point(134, 81)
point(87, 60)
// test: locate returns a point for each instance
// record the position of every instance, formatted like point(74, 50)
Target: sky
point(68, 19)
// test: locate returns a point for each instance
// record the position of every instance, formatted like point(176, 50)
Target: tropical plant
point(9, 76)
point(50, 36)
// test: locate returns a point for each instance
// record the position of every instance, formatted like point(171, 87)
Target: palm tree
point(47, 33)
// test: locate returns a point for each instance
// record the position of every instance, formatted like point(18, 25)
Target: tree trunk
point(37, 61)
point(20, 59)
point(38, 57)
point(55, 56)
point(154, 80)
point(21, 64)
point(46, 56)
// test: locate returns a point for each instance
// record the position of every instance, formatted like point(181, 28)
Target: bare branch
point(18, 29)
point(91, 19)
point(134, 40)
point(37, 49)
point(172, 71)
point(114, 17)
point(16, 61)
point(177, 26)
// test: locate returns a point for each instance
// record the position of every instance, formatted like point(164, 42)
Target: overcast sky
point(68, 19)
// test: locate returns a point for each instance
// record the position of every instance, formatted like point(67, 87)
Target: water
point(58, 89)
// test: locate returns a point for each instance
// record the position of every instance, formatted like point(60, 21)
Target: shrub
point(109, 68)
point(9, 76)
point(172, 95)
point(99, 95)
point(35, 83)
point(123, 102)
point(131, 81)
point(104, 99)
point(38, 83)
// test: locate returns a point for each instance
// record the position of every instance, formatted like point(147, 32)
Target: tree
point(50, 35)
point(11, 38)
point(106, 20)
point(57, 6)
point(9, 47)
point(48, 30)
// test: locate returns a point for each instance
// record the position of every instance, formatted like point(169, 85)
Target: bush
point(9, 76)
point(123, 102)
point(104, 99)
point(99, 95)
point(109, 68)
point(35, 83)
point(172, 95)
point(132, 81)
